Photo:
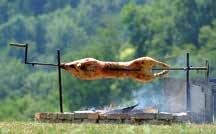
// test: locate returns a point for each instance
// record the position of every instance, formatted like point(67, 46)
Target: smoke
point(153, 95)
point(150, 96)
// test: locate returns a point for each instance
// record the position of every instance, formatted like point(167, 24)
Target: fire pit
point(127, 115)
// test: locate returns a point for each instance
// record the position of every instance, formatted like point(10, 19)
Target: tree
point(149, 28)
point(207, 37)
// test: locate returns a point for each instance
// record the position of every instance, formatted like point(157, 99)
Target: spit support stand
point(189, 68)
point(45, 64)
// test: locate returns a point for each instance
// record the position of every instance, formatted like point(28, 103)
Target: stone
point(181, 119)
point(52, 116)
point(164, 116)
point(102, 116)
point(80, 115)
point(90, 121)
point(118, 116)
point(94, 116)
point(37, 116)
point(143, 116)
point(107, 121)
point(41, 115)
point(65, 121)
point(77, 121)
point(69, 116)
point(86, 115)
point(65, 116)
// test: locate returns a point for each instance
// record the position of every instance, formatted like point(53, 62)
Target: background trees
point(107, 30)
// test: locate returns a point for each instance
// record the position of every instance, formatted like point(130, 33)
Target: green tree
point(150, 26)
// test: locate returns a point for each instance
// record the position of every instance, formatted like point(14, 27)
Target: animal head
point(83, 69)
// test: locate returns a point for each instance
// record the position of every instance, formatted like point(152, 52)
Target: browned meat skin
point(138, 69)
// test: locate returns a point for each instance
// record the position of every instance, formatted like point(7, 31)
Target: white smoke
point(150, 96)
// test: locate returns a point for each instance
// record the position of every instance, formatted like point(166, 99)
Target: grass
point(46, 128)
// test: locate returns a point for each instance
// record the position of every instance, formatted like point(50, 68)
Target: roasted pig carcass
point(139, 69)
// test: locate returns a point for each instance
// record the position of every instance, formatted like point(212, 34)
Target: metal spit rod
point(26, 56)
point(50, 64)
point(182, 68)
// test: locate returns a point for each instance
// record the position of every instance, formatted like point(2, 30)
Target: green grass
point(44, 128)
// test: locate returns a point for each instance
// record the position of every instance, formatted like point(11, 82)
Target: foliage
point(115, 30)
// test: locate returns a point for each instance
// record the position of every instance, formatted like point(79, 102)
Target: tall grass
point(58, 128)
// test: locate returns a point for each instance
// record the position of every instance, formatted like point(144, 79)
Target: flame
point(151, 110)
